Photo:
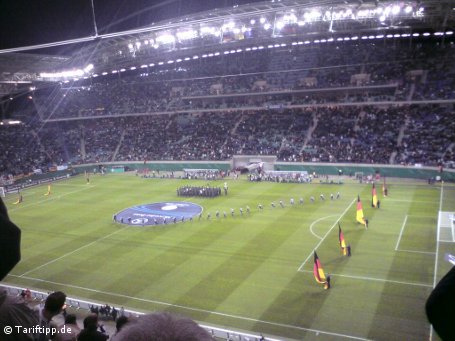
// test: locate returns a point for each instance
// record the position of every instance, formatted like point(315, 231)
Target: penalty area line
point(316, 221)
point(325, 236)
point(54, 197)
point(237, 317)
point(373, 279)
point(401, 232)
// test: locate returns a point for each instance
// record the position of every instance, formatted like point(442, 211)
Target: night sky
point(31, 22)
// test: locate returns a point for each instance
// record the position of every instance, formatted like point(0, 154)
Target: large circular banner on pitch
point(158, 213)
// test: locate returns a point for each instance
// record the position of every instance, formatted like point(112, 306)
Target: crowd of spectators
point(251, 108)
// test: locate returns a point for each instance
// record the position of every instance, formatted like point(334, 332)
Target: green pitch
point(250, 272)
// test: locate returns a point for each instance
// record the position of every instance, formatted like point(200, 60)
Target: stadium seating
point(328, 103)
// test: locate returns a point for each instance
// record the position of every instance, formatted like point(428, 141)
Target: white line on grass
point(401, 232)
point(377, 279)
point(334, 224)
point(54, 196)
point(437, 249)
point(316, 221)
point(413, 251)
point(413, 201)
point(197, 309)
point(453, 227)
point(74, 251)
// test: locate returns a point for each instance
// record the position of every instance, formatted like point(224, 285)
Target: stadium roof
point(260, 21)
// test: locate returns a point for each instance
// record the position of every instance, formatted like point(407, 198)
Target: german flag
point(342, 240)
point(359, 215)
point(374, 197)
point(384, 189)
point(318, 272)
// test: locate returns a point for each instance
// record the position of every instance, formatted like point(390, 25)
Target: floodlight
point(132, 68)
point(396, 9)
point(262, 20)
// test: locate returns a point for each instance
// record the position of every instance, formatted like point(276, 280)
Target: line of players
point(272, 205)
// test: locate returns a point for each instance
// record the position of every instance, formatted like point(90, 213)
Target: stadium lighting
point(216, 54)
point(262, 20)
point(187, 35)
point(279, 25)
point(160, 63)
point(132, 68)
point(330, 40)
point(143, 66)
point(226, 52)
point(306, 42)
point(166, 39)
point(354, 38)
point(346, 38)
point(416, 34)
point(95, 75)
point(122, 70)
point(178, 60)
point(389, 36)
point(426, 34)
point(187, 58)
point(104, 73)
point(397, 35)
point(338, 39)
point(260, 47)
point(396, 9)
point(382, 18)
point(204, 56)
point(267, 26)
point(408, 9)
point(195, 57)
point(379, 36)
point(449, 33)
point(252, 21)
point(170, 61)
point(88, 68)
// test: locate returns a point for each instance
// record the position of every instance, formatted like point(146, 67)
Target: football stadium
point(278, 170)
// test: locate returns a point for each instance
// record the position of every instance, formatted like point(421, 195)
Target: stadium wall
point(395, 171)
point(414, 172)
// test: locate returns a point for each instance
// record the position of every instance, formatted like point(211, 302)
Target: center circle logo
point(159, 213)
